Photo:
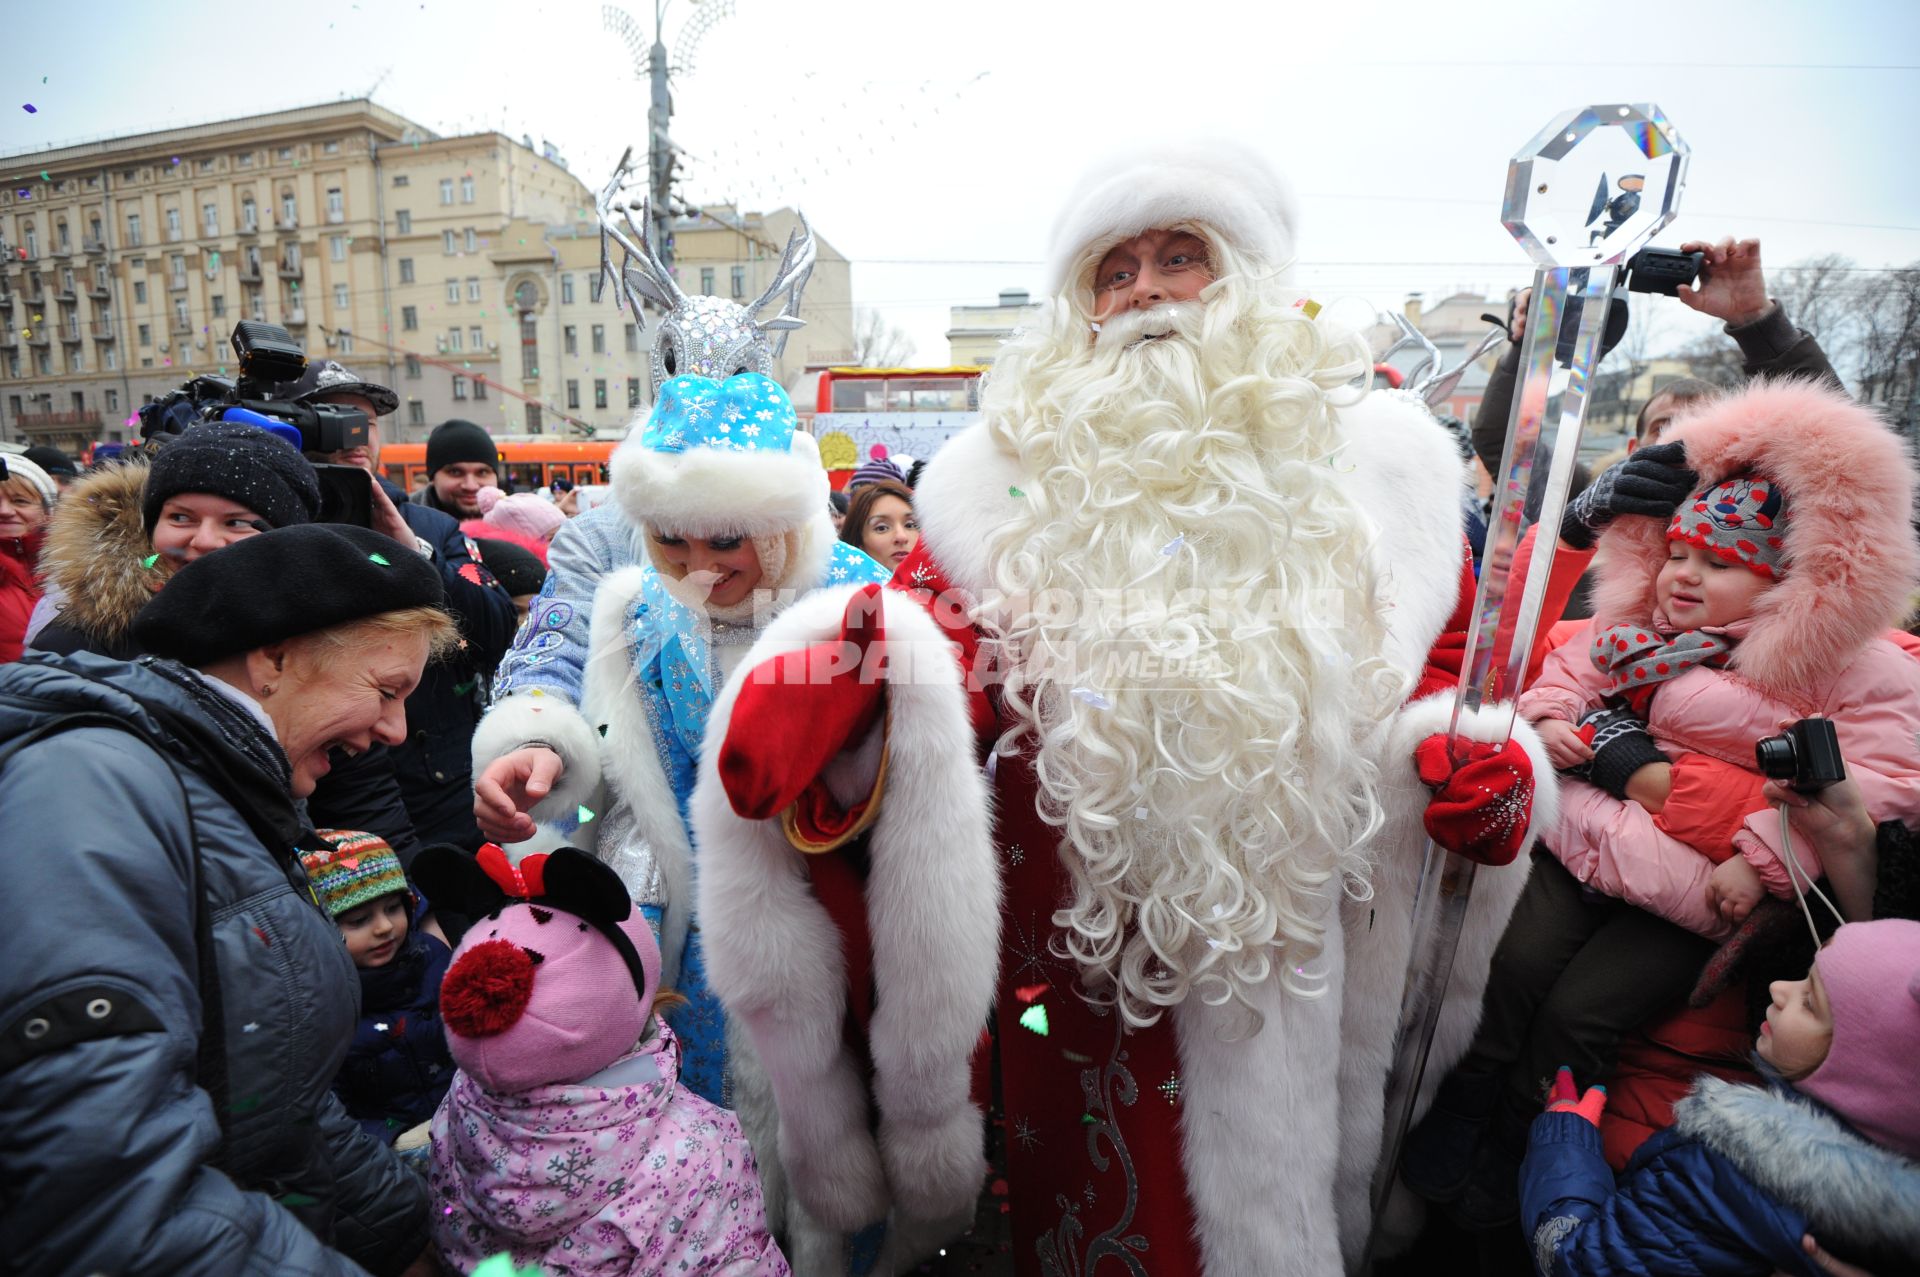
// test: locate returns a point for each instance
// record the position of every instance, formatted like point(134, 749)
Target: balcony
point(65, 293)
point(295, 318)
point(9, 339)
point(335, 216)
point(175, 234)
point(290, 269)
point(285, 223)
point(41, 422)
point(39, 336)
point(70, 334)
point(249, 271)
point(62, 250)
point(249, 227)
point(134, 240)
point(177, 284)
point(95, 246)
point(102, 330)
point(180, 327)
point(99, 287)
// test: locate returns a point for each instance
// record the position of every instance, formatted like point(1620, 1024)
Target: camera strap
point(1795, 872)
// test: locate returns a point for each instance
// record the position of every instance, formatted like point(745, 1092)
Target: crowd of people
point(739, 876)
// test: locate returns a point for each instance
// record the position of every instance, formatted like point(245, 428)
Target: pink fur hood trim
point(1853, 564)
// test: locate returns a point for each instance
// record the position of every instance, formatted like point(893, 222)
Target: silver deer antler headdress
point(701, 335)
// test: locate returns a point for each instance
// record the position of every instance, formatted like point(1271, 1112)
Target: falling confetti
point(1092, 698)
point(1034, 1019)
point(149, 561)
point(1311, 307)
point(1139, 813)
point(1015, 493)
point(1030, 993)
point(30, 108)
point(585, 814)
point(45, 176)
point(1172, 547)
point(251, 1026)
point(297, 1199)
point(245, 1105)
point(381, 559)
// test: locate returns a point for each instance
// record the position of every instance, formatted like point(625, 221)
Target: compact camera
point(1806, 756)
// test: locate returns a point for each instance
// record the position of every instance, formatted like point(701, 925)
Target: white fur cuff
point(548, 720)
point(1431, 715)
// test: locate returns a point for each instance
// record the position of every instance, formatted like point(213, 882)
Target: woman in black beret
point(169, 1046)
point(124, 529)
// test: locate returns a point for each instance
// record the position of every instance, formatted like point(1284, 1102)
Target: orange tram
point(531, 461)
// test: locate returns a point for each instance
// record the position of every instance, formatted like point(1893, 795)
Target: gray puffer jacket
point(151, 859)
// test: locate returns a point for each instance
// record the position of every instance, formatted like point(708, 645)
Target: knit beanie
point(874, 470)
point(30, 473)
point(359, 868)
point(523, 512)
point(1742, 520)
point(518, 568)
point(1871, 972)
point(457, 440)
point(242, 463)
point(53, 461)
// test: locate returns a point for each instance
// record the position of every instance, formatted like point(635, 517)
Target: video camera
point(269, 357)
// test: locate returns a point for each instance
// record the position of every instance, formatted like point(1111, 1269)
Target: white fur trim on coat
point(713, 492)
point(773, 954)
point(1379, 938)
point(1216, 183)
point(526, 719)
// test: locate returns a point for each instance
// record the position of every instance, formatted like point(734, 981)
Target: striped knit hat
point(359, 869)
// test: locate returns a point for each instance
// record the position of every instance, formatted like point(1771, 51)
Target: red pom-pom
point(486, 991)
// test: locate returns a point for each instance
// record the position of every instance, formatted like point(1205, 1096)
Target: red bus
point(863, 413)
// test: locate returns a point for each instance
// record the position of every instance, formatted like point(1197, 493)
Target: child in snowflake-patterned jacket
point(566, 1140)
point(1766, 598)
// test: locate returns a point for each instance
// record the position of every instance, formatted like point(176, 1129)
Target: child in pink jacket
point(1764, 600)
point(566, 1140)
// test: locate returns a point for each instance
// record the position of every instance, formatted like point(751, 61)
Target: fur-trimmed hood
point(1855, 1193)
point(1852, 561)
point(94, 553)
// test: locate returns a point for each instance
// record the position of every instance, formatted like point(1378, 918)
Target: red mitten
point(799, 709)
point(1565, 1097)
point(1481, 805)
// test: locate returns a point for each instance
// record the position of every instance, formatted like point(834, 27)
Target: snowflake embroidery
point(750, 431)
point(1016, 854)
point(572, 1170)
point(923, 577)
point(765, 414)
point(1171, 1089)
point(1024, 1132)
point(837, 574)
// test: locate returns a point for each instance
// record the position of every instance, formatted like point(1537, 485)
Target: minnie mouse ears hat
point(279, 585)
point(1742, 520)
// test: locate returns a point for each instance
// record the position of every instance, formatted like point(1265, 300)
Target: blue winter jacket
point(398, 1067)
point(147, 1125)
point(1730, 1188)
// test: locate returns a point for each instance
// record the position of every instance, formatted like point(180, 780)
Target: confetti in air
point(30, 108)
point(381, 559)
point(585, 814)
point(1034, 1019)
point(1092, 698)
point(1172, 547)
point(1015, 493)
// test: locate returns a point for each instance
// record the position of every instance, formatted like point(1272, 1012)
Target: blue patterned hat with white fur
point(720, 458)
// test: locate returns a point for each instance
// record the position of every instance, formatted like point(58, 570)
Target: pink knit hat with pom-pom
point(526, 513)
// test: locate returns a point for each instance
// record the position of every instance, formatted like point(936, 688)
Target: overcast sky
point(931, 143)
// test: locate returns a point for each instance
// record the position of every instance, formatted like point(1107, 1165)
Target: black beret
point(281, 584)
point(242, 463)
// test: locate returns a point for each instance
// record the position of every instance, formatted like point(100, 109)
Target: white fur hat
point(720, 458)
point(1219, 184)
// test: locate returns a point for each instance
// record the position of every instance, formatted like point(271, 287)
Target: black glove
point(1621, 746)
point(1652, 482)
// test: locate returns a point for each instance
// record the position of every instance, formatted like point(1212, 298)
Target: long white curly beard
point(1191, 643)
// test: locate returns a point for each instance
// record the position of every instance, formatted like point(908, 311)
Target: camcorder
point(1663, 270)
point(1806, 756)
point(270, 357)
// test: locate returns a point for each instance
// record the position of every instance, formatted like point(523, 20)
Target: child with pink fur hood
point(566, 1140)
point(1765, 599)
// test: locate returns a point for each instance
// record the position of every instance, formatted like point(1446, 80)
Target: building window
point(633, 339)
point(210, 218)
point(346, 341)
point(569, 340)
point(453, 292)
point(633, 392)
point(447, 243)
point(466, 190)
point(206, 166)
point(446, 190)
point(112, 400)
point(566, 291)
point(219, 302)
point(256, 308)
point(107, 358)
point(146, 335)
point(706, 280)
point(473, 288)
point(409, 318)
point(249, 216)
point(416, 413)
point(284, 154)
point(479, 387)
point(339, 296)
point(459, 387)
point(533, 418)
point(406, 270)
point(173, 224)
point(473, 241)
point(596, 285)
point(476, 338)
point(599, 392)
point(573, 394)
point(402, 222)
point(336, 204)
point(529, 346)
point(140, 292)
point(244, 160)
point(133, 233)
point(401, 179)
point(739, 281)
point(180, 314)
point(599, 340)
point(289, 208)
point(331, 148)
point(177, 271)
point(453, 339)
point(337, 247)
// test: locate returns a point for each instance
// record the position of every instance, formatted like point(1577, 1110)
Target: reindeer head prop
point(701, 336)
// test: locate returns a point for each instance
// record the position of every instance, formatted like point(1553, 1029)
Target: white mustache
point(1134, 326)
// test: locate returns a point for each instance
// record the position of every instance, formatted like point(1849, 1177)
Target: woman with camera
point(181, 1004)
point(125, 529)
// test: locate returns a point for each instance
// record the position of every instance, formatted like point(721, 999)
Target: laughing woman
point(169, 1048)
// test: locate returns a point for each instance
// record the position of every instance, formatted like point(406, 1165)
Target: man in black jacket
point(431, 775)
